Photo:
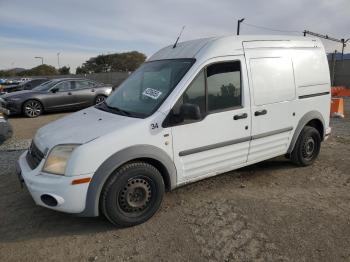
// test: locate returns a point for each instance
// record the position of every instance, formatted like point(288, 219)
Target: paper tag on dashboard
point(152, 93)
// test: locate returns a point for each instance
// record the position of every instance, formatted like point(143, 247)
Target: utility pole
point(344, 45)
point(42, 59)
point(334, 58)
point(58, 59)
point(239, 24)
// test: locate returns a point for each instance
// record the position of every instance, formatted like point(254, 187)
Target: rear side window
point(65, 86)
point(224, 85)
point(272, 80)
point(82, 85)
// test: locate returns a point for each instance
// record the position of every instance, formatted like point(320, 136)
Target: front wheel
point(99, 99)
point(32, 108)
point(133, 194)
point(307, 147)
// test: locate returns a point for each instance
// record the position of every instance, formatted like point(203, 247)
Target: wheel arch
point(312, 118)
point(146, 153)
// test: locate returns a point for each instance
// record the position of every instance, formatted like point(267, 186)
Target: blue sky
point(80, 29)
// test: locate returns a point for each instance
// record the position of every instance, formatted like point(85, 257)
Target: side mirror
point(190, 111)
point(54, 90)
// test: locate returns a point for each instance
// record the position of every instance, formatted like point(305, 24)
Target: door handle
point(241, 116)
point(69, 93)
point(260, 112)
point(92, 90)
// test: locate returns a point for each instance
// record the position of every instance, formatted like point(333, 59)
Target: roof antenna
point(177, 40)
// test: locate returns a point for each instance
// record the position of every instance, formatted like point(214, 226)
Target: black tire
point(307, 147)
point(32, 108)
point(100, 99)
point(133, 194)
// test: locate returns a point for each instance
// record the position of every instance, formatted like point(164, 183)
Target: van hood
point(80, 127)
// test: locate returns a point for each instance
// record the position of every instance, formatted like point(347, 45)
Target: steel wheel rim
point(100, 99)
point(309, 148)
point(135, 197)
point(33, 109)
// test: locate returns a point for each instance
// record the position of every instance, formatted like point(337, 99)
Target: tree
point(41, 70)
point(128, 61)
point(81, 71)
point(65, 70)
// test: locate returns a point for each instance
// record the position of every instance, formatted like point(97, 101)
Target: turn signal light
point(81, 181)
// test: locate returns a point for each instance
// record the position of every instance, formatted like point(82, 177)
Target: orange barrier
point(340, 91)
point(337, 107)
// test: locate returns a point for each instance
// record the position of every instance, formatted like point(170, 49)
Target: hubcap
point(33, 109)
point(309, 148)
point(135, 196)
point(100, 99)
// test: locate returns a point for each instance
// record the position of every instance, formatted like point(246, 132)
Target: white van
point(200, 109)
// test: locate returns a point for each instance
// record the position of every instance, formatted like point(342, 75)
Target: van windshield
point(145, 90)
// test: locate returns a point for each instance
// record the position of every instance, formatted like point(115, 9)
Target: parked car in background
point(56, 95)
point(5, 127)
point(26, 85)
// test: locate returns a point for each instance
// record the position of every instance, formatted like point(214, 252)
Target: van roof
point(206, 48)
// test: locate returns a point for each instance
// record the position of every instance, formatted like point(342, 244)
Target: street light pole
point(58, 59)
point(42, 59)
point(239, 24)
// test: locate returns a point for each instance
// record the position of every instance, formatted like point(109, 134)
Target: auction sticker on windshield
point(152, 93)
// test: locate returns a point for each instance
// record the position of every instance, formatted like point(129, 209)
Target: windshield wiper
point(103, 106)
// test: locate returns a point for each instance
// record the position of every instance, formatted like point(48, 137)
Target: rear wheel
point(133, 194)
point(99, 99)
point(32, 108)
point(307, 147)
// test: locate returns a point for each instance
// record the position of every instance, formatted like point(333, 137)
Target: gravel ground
point(271, 211)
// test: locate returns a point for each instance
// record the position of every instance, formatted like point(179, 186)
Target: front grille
point(34, 156)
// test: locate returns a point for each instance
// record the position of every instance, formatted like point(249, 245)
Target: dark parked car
point(5, 127)
point(56, 95)
point(27, 85)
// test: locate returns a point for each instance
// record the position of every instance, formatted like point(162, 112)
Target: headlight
point(3, 112)
point(57, 159)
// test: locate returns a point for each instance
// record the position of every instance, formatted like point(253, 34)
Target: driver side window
point(216, 88)
point(195, 93)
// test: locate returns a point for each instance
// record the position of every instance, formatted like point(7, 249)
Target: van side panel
point(311, 70)
point(312, 81)
point(272, 80)
point(288, 80)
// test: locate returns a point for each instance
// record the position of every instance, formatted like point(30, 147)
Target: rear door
point(85, 93)
point(220, 140)
point(273, 97)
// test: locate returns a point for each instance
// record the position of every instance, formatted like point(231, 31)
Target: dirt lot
point(272, 211)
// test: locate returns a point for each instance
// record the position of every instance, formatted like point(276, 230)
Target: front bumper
point(5, 130)
point(70, 198)
point(14, 107)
